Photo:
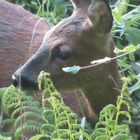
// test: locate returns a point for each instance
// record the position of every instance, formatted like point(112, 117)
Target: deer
point(77, 40)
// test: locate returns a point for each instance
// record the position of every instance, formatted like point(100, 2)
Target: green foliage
point(24, 113)
point(126, 31)
point(4, 138)
point(57, 121)
point(108, 126)
point(31, 5)
point(126, 23)
point(125, 62)
point(60, 121)
point(55, 10)
point(52, 10)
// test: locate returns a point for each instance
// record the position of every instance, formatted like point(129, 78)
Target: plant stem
point(111, 59)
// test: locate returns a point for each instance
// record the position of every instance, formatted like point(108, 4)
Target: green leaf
point(49, 116)
point(117, 50)
point(103, 138)
point(61, 133)
point(130, 48)
point(136, 67)
point(47, 129)
point(122, 129)
point(39, 137)
point(122, 137)
point(72, 70)
point(117, 15)
point(29, 125)
point(5, 138)
point(27, 115)
point(132, 35)
point(135, 87)
point(123, 64)
point(82, 135)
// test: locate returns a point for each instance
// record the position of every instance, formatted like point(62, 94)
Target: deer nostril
point(14, 80)
point(23, 82)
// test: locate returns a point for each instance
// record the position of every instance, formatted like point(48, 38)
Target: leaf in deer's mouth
point(72, 70)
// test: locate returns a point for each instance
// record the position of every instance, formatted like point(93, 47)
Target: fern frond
point(60, 121)
point(30, 103)
point(26, 116)
point(17, 111)
point(108, 125)
point(28, 126)
point(7, 122)
point(20, 107)
point(39, 137)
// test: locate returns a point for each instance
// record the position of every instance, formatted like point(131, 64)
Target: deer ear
point(80, 3)
point(100, 16)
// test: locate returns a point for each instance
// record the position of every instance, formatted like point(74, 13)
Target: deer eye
point(60, 53)
point(63, 55)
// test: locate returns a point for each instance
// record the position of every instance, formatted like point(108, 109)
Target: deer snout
point(27, 75)
point(14, 80)
point(22, 81)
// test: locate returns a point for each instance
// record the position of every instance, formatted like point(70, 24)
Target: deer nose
point(23, 82)
point(14, 80)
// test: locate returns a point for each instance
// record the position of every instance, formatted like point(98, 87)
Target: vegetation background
point(58, 121)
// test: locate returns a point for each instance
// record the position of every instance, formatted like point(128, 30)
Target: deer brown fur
point(16, 30)
point(76, 40)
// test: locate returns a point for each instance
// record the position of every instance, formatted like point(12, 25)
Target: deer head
point(76, 40)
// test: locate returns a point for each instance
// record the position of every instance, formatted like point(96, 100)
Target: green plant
point(55, 10)
point(126, 23)
point(108, 127)
point(57, 121)
point(126, 31)
point(60, 121)
point(52, 10)
point(4, 138)
point(24, 114)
